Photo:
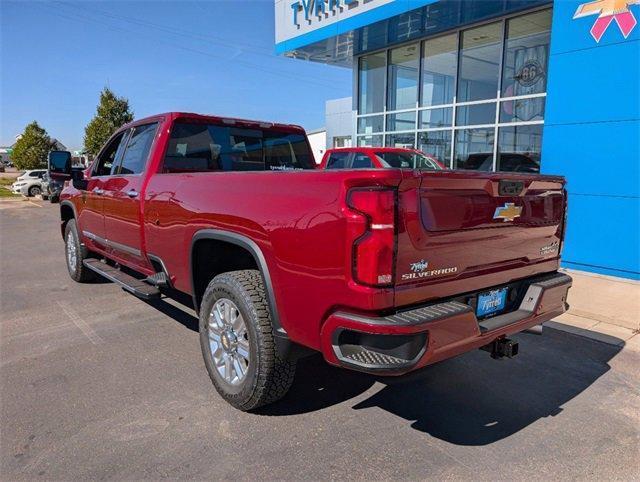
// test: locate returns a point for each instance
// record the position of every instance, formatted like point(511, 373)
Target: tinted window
point(519, 148)
point(137, 151)
point(371, 82)
point(404, 63)
point(105, 161)
point(479, 63)
point(474, 149)
point(437, 144)
point(439, 70)
point(407, 160)
point(337, 160)
point(207, 147)
point(361, 161)
point(526, 53)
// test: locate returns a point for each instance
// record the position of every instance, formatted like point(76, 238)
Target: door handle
point(132, 193)
point(99, 192)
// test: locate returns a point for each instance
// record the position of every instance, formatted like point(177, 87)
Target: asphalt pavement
point(97, 384)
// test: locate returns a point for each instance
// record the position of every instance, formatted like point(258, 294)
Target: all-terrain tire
point(268, 377)
point(78, 271)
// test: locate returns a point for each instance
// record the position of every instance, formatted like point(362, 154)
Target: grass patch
point(4, 193)
point(7, 181)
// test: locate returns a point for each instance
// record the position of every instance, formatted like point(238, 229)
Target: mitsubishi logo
point(508, 212)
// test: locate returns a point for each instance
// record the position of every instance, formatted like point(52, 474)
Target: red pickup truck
point(381, 270)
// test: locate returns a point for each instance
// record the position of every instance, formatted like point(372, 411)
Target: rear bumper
point(410, 339)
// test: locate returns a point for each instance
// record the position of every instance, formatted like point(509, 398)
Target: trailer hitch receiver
point(503, 347)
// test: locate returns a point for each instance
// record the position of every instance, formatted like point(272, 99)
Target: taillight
point(374, 250)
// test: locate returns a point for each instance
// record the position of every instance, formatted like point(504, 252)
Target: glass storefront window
point(479, 63)
point(526, 54)
point(436, 144)
point(371, 71)
point(474, 149)
point(403, 77)
point(404, 121)
point(370, 141)
point(439, 64)
point(401, 140)
point(476, 114)
point(436, 118)
point(519, 148)
point(371, 124)
point(522, 110)
point(493, 116)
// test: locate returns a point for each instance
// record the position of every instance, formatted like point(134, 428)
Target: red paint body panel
point(302, 225)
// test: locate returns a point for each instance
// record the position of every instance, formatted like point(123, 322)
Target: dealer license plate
point(491, 302)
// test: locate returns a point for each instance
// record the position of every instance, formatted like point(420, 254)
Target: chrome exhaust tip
point(534, 330)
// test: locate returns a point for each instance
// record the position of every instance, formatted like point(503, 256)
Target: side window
point(114, 149)
point(137, 150)
point(361, 161)
point(337, 160)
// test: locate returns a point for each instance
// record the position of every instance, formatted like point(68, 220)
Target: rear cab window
point(203, 147)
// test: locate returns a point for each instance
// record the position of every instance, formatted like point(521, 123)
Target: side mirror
point(60, 162)
point(78, 180)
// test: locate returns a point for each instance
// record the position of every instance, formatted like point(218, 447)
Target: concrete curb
point(597, 330)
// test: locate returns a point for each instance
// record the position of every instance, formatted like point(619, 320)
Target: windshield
point(412, 160)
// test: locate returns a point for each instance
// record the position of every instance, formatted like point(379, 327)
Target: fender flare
point(256, 252)
point(68, 203)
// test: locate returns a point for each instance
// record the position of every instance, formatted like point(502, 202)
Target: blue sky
point(211, 56)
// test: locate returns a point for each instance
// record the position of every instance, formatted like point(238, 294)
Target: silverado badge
point(508, 212)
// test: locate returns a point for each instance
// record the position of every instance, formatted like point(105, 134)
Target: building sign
point(608, 11)
point(296, 18)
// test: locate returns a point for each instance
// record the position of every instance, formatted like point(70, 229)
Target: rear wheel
point(75, 253)
point(237, 341)
point(34, 191)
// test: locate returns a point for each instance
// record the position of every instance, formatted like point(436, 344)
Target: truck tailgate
point(465, 225)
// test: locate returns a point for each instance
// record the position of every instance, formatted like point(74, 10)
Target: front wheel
point(75, 253)
point(237, 341)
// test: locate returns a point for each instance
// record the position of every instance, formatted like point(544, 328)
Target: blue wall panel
point(592, 137)
point(602, 235)
point(601, 159)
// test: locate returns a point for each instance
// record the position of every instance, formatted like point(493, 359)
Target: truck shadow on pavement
point(468, 400)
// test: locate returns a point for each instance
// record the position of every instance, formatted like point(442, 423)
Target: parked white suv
point(29, 183)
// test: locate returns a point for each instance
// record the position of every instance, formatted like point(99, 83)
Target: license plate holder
point(491, 302)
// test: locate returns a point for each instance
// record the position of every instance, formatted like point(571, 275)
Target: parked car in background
point(29, 183)
point(378, 157)
point(45, 186)
point(507, 162)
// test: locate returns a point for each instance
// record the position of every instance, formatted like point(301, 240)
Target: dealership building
point(498, 85)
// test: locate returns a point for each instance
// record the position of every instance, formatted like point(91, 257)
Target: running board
point(132, 285)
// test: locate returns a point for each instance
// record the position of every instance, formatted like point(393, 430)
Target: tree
point(112, 112)
point(32, 148)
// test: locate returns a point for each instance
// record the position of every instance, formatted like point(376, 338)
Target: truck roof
point(214, 118)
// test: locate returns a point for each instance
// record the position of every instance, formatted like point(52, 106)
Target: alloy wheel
point(229, 341)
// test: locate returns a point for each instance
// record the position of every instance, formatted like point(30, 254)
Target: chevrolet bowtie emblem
point(607, 11)
point(508, 212)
